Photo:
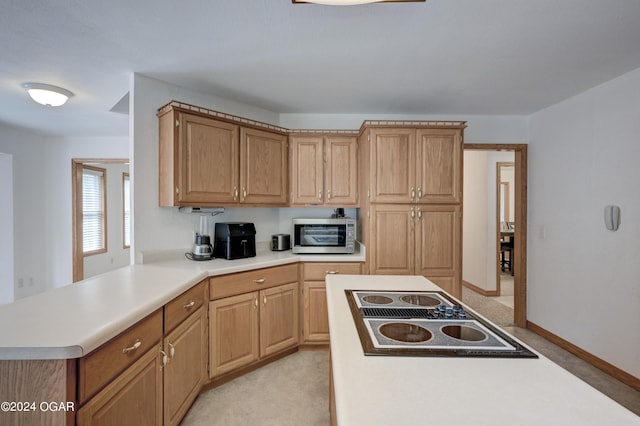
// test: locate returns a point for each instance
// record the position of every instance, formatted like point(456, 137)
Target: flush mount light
point(47, 94)
point(351, 2)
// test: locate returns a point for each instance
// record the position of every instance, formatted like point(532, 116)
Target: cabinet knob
point(244, 193)
point(264, 299)
point(419, 193)
point(413, 193)
point(320, 195)
point(165, 357)
point(255, 302)
point(172, 351)
point(419, 214)
point(328, 194)
point(235, 193)
point(413, 213)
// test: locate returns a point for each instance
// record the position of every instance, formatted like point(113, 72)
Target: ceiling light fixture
point(351, 2)
point(48, 95)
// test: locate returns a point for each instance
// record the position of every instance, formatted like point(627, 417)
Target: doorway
point(519, 214)
point(505, 232)
point(112, 251)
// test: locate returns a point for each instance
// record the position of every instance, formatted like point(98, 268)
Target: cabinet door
point(438, 245)
point(263, 167)
point(133, 398)
point(185, 372)
point(393, 165)
point(439, 166)
point(233, 330)
point(278, 318)
point(307, 166)
point(315, 328)
point(393, 239)
point(208, 160)
point(341, 171)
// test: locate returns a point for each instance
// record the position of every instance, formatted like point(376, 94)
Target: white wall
point(474, 220)
point(31, 209)
point(584, 281)
point(116, 255)
point(6, 229)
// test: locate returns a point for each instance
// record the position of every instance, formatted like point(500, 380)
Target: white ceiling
point(440, 57)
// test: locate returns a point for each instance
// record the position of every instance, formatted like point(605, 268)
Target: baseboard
point(482, 291)
point(601, 364)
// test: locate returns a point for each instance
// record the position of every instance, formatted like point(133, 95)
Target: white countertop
point(71, 321)
point(386, 390)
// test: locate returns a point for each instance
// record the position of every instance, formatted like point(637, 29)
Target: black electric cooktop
point(426, 323)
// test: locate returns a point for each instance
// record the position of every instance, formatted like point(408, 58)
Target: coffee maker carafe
point(202, 248)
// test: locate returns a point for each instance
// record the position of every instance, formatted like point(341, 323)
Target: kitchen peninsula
point(411, 390)
point(141, 316)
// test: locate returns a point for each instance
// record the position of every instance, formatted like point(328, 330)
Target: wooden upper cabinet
point(439, 168)
point(341, 171)
point(415, 165)
point(198, 160)
point(307, 170)
point(324, 170)
point(208, 162)
point(263, 167)
point(393, 165)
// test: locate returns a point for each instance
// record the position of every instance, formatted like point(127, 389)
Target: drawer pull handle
point(259, 281)
point(189, 305)
point(331, 272)
point(165, 358)
point(172, 351)
point(132, 348)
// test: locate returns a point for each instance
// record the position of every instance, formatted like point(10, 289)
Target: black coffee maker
point(235, 240)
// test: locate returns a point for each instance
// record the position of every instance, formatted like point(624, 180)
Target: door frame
point(76, 210)
point(520, 216)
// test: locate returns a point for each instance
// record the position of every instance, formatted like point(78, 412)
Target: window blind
point(93, 217)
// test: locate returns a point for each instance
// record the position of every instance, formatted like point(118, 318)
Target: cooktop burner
point(410, 323)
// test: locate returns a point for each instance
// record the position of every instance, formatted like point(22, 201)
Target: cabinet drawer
point(103, 364)
point(182, 306)
point(245, 282)
point(317, 271)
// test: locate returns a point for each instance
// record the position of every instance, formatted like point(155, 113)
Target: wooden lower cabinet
point(133, 398)
point(185, 371)
point(315, 320)
point(158, 387)
point(233, 333)
point(250, 326)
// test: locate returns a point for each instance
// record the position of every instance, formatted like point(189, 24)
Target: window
point(94, 200)
point(126, 203)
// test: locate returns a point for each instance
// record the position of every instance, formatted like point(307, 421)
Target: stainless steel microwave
point(335, 235)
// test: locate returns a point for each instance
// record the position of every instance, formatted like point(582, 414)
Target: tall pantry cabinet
point(411, 212)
